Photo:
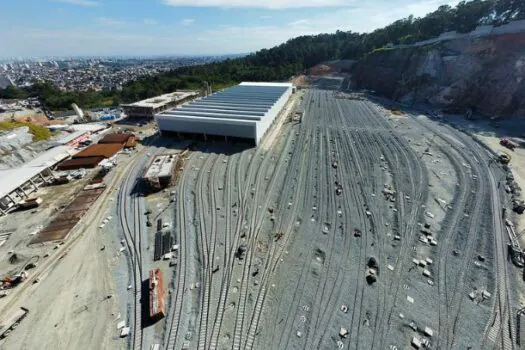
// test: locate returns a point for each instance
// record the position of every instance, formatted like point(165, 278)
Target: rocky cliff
point(485, 75)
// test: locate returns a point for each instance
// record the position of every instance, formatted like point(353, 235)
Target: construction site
point(355, 223)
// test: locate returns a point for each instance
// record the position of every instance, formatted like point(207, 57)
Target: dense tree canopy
point(292, 57)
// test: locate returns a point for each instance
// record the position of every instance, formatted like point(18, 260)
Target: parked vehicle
point(508, 144)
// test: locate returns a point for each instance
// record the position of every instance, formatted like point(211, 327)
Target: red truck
point(508, 143)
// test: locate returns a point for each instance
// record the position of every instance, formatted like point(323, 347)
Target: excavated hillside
point(485, 74)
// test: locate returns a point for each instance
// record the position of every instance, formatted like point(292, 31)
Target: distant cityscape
point(91, 74)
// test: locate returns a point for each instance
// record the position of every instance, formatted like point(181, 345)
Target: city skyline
point(72, 28)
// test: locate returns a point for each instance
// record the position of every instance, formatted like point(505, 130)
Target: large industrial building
point(245, 111)
point(148, 108)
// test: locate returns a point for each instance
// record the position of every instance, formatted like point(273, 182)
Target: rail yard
point(352, 227)
point(277, 247)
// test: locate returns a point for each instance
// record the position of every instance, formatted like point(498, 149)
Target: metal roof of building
point(246, 102)
point(70, 137)
point(106, 150)
point(91, 127)
point(115, 138)
point(77, 163)
point(161, 166)
point(159, 101)
point(16, 177)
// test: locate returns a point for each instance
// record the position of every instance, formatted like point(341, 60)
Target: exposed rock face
point(484, 74)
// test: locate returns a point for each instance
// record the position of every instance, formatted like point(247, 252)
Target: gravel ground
point(69, 307)
point(303, 275)
point(278, 243)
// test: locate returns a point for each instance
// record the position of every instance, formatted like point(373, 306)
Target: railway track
point(296, 194)
point(207, 250)
point(177, 299)
point(410, 181)
point(243, 189)
point(360, 197)
point(314, 219)
point(230, 236)
point(286, 196)
point(498, 329)
point(132, 238)
point(329, 301)
point(501, 331)
point(350, 218)
point(255, 225)
point(326, 224)
point(296, 179)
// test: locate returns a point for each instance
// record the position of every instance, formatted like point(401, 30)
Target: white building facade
point(243, 111)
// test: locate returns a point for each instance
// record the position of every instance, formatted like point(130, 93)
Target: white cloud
point(149, 21)
point(134, 40)
point(106, 21)
point(271, 4)
point(300, 22)
point(365, 18)
point(187, 21)
point(86, 3)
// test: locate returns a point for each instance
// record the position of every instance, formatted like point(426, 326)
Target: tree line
point(290, 58)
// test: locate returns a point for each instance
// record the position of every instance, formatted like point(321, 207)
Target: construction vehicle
point(504, 158)
point(518, 206)
point(30, 203)
point(14, 280)
point(516, 255)
point(372, 271)
point(338, 188)
point(508, 144)
point(241, 251)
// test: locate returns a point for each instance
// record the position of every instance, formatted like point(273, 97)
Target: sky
point(43, 28)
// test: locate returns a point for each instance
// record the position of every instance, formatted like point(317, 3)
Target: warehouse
point(148, 108)
point(245, 111)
